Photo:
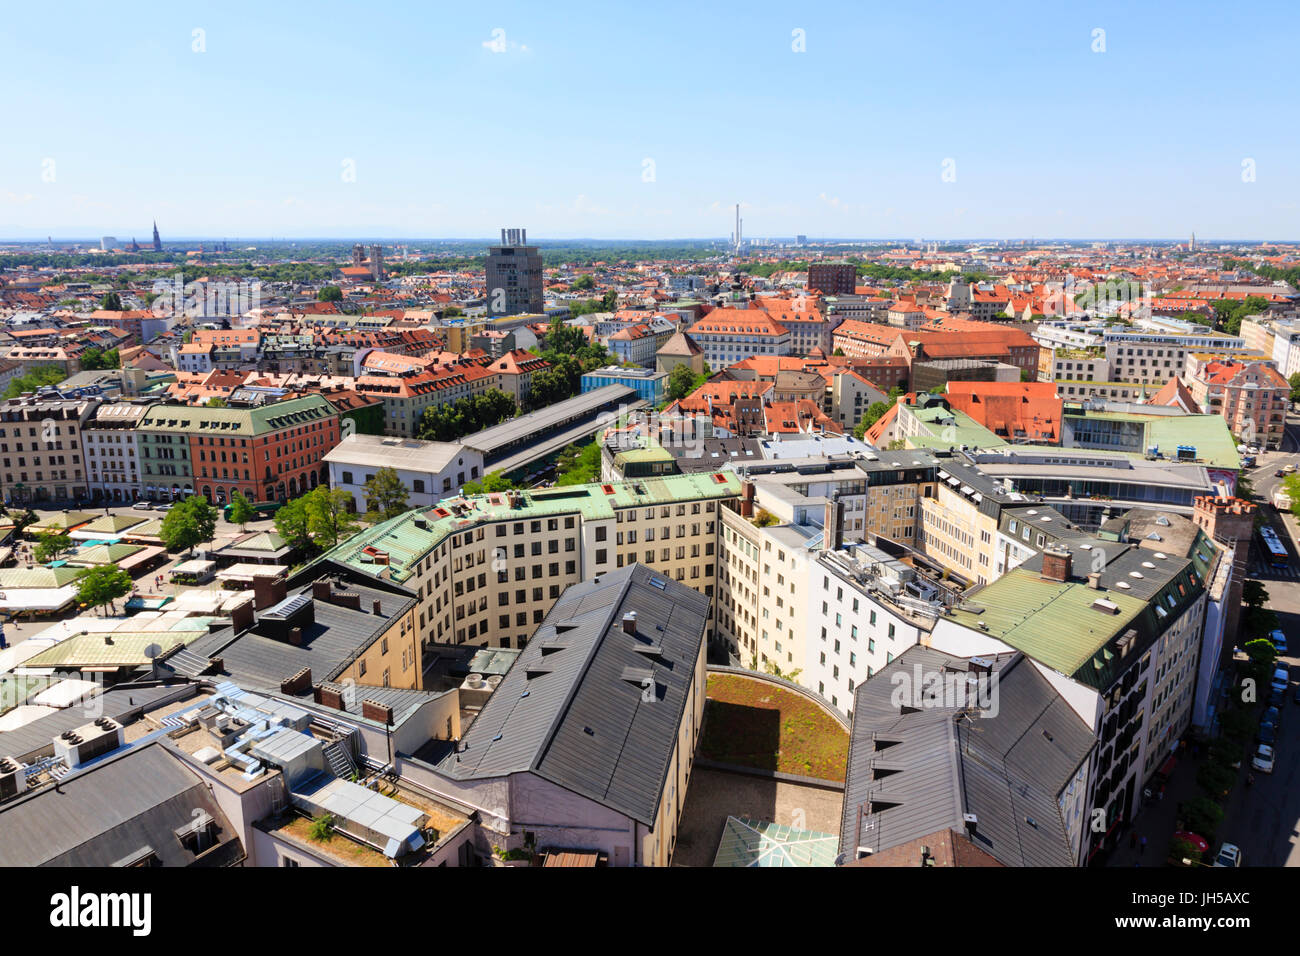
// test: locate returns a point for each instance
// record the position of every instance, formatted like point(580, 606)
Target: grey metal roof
point(330, 643)
point(567, 712)
point(515, 429)
point(123, 703)
point(111, 811)
point(912, 774)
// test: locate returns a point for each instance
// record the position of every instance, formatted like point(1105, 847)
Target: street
point(1264, 819)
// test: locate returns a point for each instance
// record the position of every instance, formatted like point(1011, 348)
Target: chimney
point(295, 636)
point(1094, 580)
point(1056, 564)
point(747, 500)
point(241, 618)
point(327, 697)
point(629, 623)
point(373, 710)
point(376, 608)
point(320, 590)
point(831, 532)
point(268, 590)
point(297, 684)
point(971, 822)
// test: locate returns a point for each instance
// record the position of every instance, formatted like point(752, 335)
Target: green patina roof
point(652, 454)
point(37, 577)
point(404, 543)
point(243, 422)
point(964, 430)
point(126, 650)
point(66, 520)
point(113, 523)
point(105, 553)
point(1050, 621)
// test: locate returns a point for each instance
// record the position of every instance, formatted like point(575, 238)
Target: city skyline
point(820, 122)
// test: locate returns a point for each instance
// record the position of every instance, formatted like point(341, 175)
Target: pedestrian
point(1142, 852)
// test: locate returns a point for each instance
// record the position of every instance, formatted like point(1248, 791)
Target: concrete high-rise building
point(514, 276)
point(832, 278)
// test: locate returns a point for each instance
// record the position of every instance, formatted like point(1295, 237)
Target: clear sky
point(650, 119)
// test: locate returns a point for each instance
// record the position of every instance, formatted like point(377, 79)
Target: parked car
point(1267, 734)
point(1229, 855)
point(1278, 640)
point(1272, 716)
point(1277, 698)
point(1263, 759)
point(1281, 678)
point(141, 506)
point(1195, 839)
point(1297, 693)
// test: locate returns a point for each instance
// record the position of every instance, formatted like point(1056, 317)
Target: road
point(1264, 819)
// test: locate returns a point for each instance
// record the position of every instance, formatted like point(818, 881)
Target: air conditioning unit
point(13, 778)
point(85, 743)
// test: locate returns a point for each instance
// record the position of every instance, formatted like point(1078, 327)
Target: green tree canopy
point(188, 524)
point(51, 544)
point(111, 302)
point(493, 482)
point(385, 495)
point(293, 524)
point(329, 518)
point(241, 510)
point(102, 585)
point(329, 293)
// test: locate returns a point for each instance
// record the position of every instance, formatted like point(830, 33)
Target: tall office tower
point(514, 275)
point(377, 262)
point(157, 242)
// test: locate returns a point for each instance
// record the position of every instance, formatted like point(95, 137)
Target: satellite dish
point(153, 651)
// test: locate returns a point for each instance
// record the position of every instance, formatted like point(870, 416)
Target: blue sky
point(114, 119)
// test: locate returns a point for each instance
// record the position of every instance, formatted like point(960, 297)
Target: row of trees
point(93, 359)
point(34, 379)
point(578, 466)
point(570, 354)
point(457, 419)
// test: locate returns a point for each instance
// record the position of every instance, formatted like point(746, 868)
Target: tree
point(583, 467)
point(111, 303)
point(1294, 382)
point(681, 382)
point(838, 351)
point(188, 524)
point(329, 293)
point(24, 518)
point(51, 544)
point(582, 283)
point(241, 510)
point(329, 518)
point(102, 584)
point(493, 482)
point(385, 495)
point(294, 524)
point(35, 379)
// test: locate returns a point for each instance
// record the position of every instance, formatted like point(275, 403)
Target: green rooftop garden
point(755, 723)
